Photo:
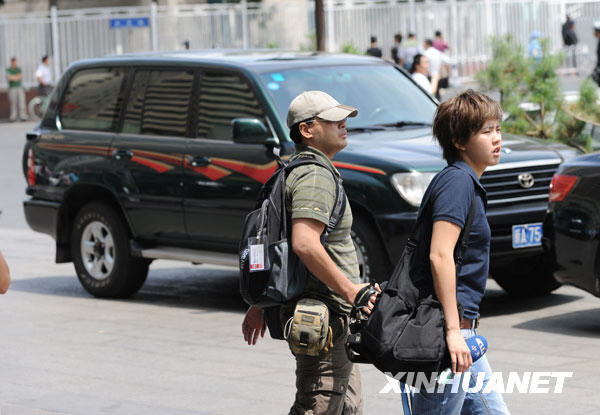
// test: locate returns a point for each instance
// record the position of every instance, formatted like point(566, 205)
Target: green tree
point(524, 80)
point(572, 119)
point(588, 100)
point(569, 130)
point(312, 43)
point(506, 70)
point(542, 88)
point(349, 48)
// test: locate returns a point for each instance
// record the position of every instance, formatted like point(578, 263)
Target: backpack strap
point(339, 206)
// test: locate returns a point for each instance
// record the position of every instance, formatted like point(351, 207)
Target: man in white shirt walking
point(420, 70)
point(436, 60)
point(44, 77)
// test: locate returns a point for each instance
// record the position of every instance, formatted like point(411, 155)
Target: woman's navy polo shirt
point(451, 194)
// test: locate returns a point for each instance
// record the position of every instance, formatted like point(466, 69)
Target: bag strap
point(424, 203)
point(463, 241)
point(401, 281)
point(339, 206)
point(464, 238)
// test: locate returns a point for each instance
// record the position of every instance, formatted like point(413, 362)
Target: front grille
point(502, 184)
point(499, 231)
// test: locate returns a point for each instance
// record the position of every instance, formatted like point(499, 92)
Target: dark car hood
point(416, 149)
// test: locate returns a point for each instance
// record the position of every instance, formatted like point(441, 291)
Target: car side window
point(158, 102)
point(223, 97)
point(93, 100)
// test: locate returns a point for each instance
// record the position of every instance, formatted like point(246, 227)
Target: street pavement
point(176, 346)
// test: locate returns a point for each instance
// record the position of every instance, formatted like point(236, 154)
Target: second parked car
point(572, 227)
point(150, 156)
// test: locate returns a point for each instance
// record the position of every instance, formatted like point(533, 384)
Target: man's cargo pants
point(328, 384)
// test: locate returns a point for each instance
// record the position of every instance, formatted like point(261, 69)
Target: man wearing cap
point(328, 383)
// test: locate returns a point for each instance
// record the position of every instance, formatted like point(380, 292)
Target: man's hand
point(253, 325)
point(459, 351)
point(372, 299)
point(4, 275)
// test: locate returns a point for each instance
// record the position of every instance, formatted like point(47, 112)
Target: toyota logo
point(526, 180)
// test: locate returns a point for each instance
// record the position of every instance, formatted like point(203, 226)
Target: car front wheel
point(372, 259)
point(100, 252)
point(534, 278)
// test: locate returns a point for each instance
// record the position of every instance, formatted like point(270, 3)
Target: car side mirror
point(251, 131)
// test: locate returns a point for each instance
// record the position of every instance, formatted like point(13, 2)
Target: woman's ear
point(459, 146)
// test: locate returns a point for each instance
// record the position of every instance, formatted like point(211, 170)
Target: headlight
point(412, 186)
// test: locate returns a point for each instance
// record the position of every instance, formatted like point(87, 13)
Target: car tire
point(36, 108)
point(100, 252)
point(372, 258)
point(535, 278)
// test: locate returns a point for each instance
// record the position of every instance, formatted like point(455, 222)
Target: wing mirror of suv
point(251, 131)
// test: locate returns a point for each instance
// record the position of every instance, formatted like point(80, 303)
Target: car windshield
point(384, 96)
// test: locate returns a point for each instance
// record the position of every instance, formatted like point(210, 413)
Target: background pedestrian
point(439, 43)
point(420, 72)
point(397, 49)
point(596, 72)
point(16, 93)
point(44, 77)
point(411, 48)
point(437, 60)
point(534, 49)
point(374, 50)
point(570, 41)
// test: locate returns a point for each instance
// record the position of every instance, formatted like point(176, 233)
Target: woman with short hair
point(467, 127)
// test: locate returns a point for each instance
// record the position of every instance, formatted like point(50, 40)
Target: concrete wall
point(5, 103)
point(289, 23)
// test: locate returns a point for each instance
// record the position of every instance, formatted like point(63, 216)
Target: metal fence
point(467, 25)
point(70, 35)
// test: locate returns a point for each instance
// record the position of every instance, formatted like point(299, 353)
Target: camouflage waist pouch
point(307, 331)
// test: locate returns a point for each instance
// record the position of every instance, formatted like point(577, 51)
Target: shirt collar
point(459, 164)
point(317, 154)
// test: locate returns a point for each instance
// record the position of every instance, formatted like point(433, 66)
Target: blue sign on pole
point(129, 23)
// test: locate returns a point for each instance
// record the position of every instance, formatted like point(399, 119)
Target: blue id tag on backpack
point(259, 259)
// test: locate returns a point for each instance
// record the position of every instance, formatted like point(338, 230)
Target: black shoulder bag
point(405, 332)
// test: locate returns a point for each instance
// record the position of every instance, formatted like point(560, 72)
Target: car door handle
point(122, 154)
point(198, 161)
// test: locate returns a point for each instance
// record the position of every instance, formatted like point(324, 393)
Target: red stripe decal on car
point(154, 165)
point(349, 166)
point(260, 173)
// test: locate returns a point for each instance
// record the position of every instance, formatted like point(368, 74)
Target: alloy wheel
point(97, 250)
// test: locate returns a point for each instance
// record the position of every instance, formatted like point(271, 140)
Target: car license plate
point(524, 236)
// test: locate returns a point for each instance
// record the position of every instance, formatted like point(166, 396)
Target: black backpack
point(405, 331)
point(285, 277)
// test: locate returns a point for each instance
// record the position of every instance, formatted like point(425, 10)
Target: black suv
point(162, 155)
